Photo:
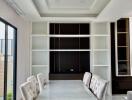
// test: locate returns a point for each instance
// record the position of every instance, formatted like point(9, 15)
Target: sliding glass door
point(7, 61)
point(2, 58)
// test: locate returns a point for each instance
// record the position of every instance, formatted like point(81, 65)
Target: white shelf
point(69, 35)
point(39, 35)
point(122, 32)
point(43, 35)
point(122, 46)
point(39, 65)
point(100, 35)
point(37, 50)
point(101, 65)
point(101, 50)
point(123, 75)
point(71, 50)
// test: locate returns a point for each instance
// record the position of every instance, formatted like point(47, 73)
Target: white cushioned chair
point(41, 80)
point(98, 86)
point(34, 84)
point(27, 91)
point(87, 79)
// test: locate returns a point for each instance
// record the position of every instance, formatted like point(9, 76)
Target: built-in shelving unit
point(122, 47)
point(93, 43)
point(100, 51)
point(40, 48)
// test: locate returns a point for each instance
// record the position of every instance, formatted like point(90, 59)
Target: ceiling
point(66, 10)
point(69, 8)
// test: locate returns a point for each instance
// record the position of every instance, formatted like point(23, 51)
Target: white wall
point(23, 42)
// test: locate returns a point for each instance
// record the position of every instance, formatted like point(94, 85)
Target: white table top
point(66, 90)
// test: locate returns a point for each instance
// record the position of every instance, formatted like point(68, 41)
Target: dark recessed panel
point(57, 62)
point(52, 28)
point(121, 25)
point(69, 43)
point(122, 53)
point(84, 43)
point(123, 68)
point(84, 29)
point(69, 29)
point(69, 62)
point(85, 61)
point(122, 40)
point(52, 62)
point(54, 43)
point(57, 31)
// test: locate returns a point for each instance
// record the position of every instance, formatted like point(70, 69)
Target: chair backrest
point(42, 80)
point(98, 86)
point(26, 91)
point(87, 79)
point(34, 84)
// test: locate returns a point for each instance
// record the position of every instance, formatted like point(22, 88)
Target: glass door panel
point(2, 58)
point(10, 63)
point(7, 61)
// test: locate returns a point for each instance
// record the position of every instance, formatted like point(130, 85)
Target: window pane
point(10, 63)
point(2, 52)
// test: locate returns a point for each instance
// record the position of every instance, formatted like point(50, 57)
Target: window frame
point(6, 61)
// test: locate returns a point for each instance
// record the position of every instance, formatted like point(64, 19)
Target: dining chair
point(26, 91)
point(35, 85)
point(41, 80)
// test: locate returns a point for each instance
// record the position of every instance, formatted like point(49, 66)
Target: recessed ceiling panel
point(71, 8)
point(70, 4)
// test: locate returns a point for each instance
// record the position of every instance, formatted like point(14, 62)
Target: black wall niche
point(69, 43)
point(69, 62)
point(70, 28)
